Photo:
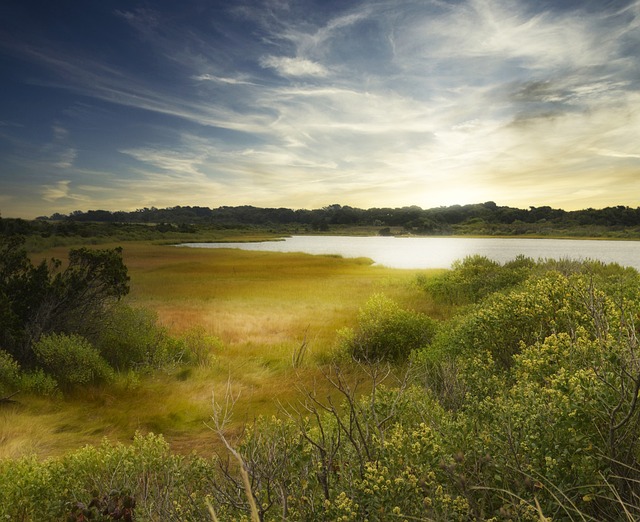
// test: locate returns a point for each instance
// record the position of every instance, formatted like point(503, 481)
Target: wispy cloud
point(286, 66)
point(58, 152)
point(222, 80)
point(616, 154)
point(377, 102)
point(108, 83)
point(66, 158)
point(60, 190)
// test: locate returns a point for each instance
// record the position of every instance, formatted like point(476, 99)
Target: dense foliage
point(386, 332)
point(482, 218)
point(36, 301)
point(475, 277)
point(522, 406)
point(63, 326)
point(71, 360)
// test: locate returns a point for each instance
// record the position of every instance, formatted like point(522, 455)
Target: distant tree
point(444, 218)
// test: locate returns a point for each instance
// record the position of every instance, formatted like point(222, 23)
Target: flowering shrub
point(386, 332)
point(143, 476)
point(550, 374)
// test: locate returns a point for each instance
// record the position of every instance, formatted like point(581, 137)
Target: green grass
point(262, 306)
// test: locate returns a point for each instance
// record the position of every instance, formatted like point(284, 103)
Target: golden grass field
point(262, 307)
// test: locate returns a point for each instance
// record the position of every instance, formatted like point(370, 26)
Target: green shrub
point(143, 476)
point(40, 383)
point(378, 458)
point(476, 277)
point(44, 299)
point(71, 360)
point(386, 332)
point(543, 381)
point(501, 323)
point(132, 338)
point(564, 427)
point(9, 373)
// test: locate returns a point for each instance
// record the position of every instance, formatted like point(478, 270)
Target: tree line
point(476, 219)
point(481, 217)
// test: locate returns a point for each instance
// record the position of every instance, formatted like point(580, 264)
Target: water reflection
point(431, 252)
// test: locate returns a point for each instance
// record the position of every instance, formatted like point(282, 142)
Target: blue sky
point(121, 105)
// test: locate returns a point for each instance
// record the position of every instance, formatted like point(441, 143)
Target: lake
point(436, 252)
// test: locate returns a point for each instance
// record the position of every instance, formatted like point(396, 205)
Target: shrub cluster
point(475, 277)
point(61, 328)
point(522, 407)
point(71, 360)
point(141, 481)
point(386, 332)
point(525, 408)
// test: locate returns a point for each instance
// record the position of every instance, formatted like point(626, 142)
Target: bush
point(71, 360)
point(543, 382)
point(386, 332)
point(39, 383)
point(476, 277)
point(502, 323)
point(142, 480)
point(563, 426)
point(9, 373)
point(44, 299)
point(131, 338)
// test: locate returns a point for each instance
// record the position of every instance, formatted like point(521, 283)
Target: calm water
point(431, 252)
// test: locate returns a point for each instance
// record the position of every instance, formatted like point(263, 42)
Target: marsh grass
point(260, 306)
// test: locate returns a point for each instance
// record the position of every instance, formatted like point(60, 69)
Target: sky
point(121, 105)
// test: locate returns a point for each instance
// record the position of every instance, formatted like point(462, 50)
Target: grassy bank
point(262, 307)
point(521, 405)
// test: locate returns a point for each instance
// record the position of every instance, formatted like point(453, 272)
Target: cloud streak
point(295, 67)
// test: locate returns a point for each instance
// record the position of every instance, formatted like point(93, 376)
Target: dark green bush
point(9, 373)
point(131, 337)
point(71, 360)
point(39, 300)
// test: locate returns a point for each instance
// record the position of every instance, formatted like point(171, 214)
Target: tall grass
point(260, 305)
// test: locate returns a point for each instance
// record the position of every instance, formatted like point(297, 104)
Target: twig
point(8, 399)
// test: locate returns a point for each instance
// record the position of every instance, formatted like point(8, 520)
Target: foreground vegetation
point(487, 392)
